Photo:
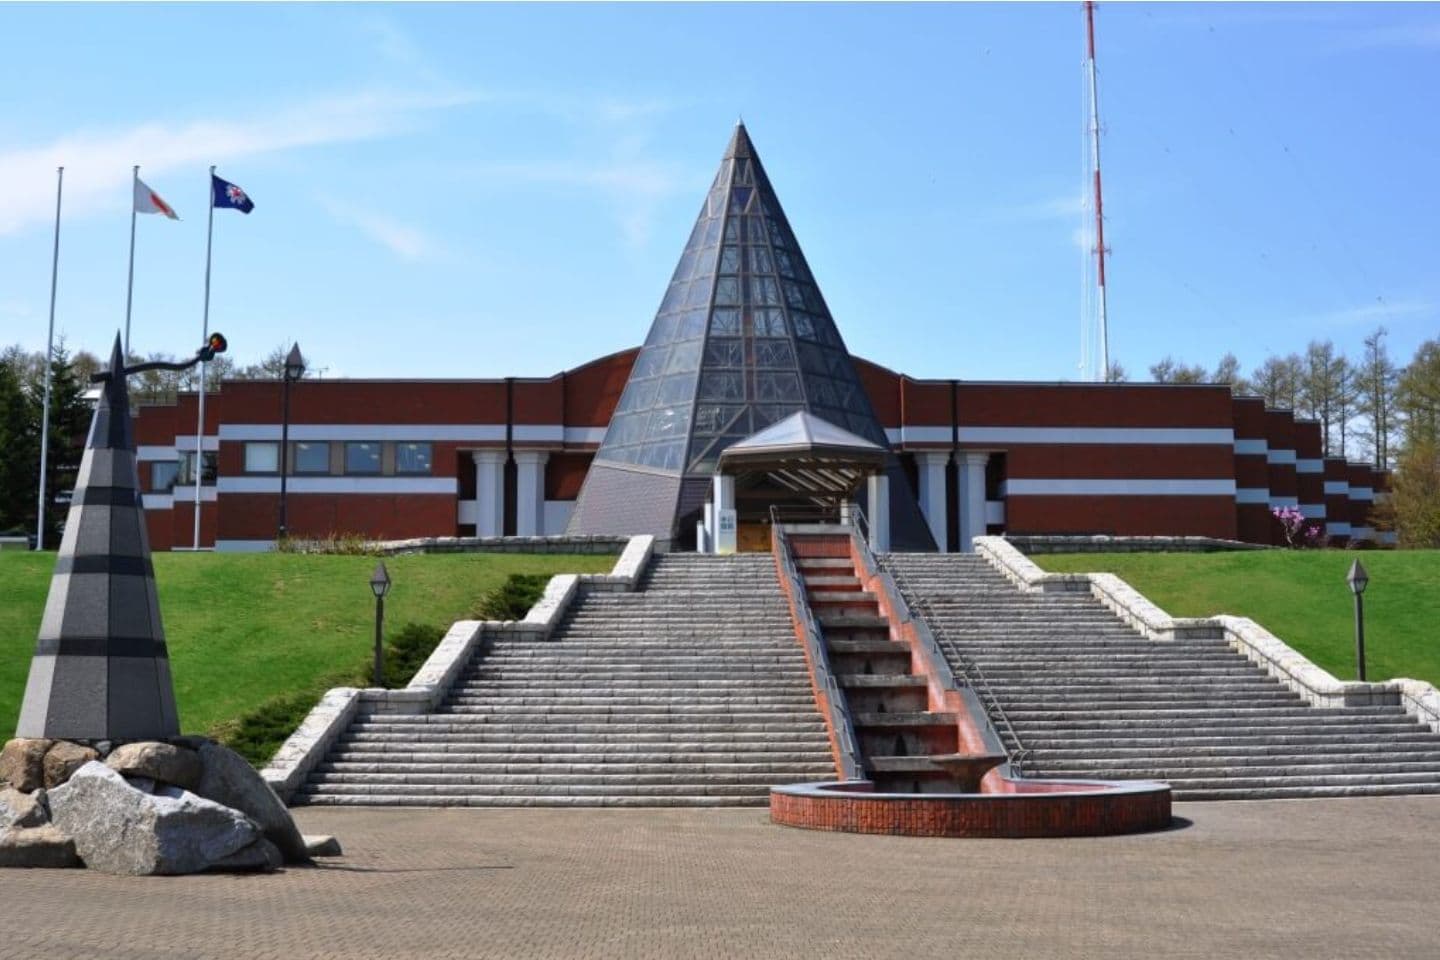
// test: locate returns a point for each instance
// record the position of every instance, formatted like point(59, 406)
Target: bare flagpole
point(204, 336)
point(49, 355)
point(130, 286)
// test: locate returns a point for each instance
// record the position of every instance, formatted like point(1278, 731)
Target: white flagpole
point(130, 286)
point(204, 335)
point(49, 354)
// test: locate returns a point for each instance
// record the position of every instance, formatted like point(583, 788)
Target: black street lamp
point(379, 585)
point(1358, 579)
point(294, 370)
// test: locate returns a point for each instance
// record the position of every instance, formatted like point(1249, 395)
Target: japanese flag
point(148, 201)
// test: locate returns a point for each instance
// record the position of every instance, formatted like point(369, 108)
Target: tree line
point(1368, 407)
point(22, 404)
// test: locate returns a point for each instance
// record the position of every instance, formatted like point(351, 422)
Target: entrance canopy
point(806, 455)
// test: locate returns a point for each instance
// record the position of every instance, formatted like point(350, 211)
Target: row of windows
point(357, 457)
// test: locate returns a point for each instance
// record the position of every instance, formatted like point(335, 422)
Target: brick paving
point(1311, 878)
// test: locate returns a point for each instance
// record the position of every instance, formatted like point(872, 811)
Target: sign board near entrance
point(725, 531)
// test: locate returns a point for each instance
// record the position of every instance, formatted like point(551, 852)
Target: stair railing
point(931, 630)
point(847, 751)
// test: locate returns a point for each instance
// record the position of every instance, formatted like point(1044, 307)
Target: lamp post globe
point(294, 364)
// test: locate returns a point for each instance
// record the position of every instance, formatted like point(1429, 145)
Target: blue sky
point(487, 190)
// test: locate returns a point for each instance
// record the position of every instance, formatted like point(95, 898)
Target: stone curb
point(1318, 687)
point(312, 740)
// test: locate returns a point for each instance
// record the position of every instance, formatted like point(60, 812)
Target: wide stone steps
point(1091, 698)
point(690, 692)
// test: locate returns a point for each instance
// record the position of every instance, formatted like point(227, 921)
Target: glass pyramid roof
point(742, 339)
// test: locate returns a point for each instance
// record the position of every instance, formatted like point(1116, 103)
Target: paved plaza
point(1311, 878)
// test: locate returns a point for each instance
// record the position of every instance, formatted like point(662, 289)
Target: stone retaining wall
point(502, 545)
point(1035, 545)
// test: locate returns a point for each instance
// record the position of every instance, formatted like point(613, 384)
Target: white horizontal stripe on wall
point(1122, 488)
point(1251, 446)
point(1333, 487)
point(1337, 529)
point(1312, 511)
point(1361, 493)
point(1115, 435)
point(584, 434)
point(1252, 495)
point(924, 434)
point(188, 443)
point(1362, 533)
point(1284, 501)
point(187, 494)
point(338, 485)
point(147, 452)
point(451, 432)
point(159, 501)
point(1280, 456)
point(1309, 466)
point(538, 433)
point(244, 546)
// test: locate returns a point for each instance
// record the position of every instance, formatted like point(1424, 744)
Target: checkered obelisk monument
point(101, 670)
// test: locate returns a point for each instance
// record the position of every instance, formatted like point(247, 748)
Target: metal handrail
point(850, 765)
point(973, 676)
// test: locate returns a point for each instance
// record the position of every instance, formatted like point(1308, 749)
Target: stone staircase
point(1091, 697)
point(691, 691)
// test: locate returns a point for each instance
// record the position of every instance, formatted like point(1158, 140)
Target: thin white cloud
point(1409, 36)
point(403, 240)
point(97, 162)
point(1378, 312)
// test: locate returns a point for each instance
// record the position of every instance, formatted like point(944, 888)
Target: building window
point(362, 457)
point(412, 458)
point(163, 474)
point(312, 457)
point(186, 473)
point(263, 457)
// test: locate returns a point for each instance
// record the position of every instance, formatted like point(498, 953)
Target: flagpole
point(130, 286)
point(204, 335)
point(49, 356)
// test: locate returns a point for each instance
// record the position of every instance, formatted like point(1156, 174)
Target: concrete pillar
point(878, 490)
point(530, 492)
point(724, 535)
point(930, 466)
point(972, 496)
point(489, 492)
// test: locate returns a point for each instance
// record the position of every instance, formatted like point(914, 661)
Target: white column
point(530, 492)
point(931, 472)
point(878, 490)
point(723, 536)
point(489, 492)
point(972, 496)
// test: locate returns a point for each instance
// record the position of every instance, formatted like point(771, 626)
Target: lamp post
point(294, 370)
point(379, 585)
point(1358, 579)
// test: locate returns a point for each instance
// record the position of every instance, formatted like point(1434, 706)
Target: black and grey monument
point(101, 670)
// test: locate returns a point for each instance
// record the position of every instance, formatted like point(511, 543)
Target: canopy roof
point(805, 454)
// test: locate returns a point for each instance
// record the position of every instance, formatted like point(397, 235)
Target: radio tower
point(1103, 374)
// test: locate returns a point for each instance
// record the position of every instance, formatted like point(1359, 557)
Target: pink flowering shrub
point(1299, 531)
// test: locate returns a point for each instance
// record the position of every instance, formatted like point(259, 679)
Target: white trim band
point(160, 501)
point(148, 452)
point(185, 493)
point(1280, 456)
point(584, 434)
point(1284, 502)
point(1361, 493)
point(1131, 488)
point(1337, 528)
point(1337, 488)
point(443, 432)
point(1309, 466)
point(1252, 495)
point(186, 444)
point(1250, 446)
point(1312, 511)
point(1097, 435)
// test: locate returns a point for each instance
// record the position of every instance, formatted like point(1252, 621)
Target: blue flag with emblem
point(226, 195)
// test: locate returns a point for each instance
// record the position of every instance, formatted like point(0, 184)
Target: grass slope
point(244, 628)
point(1301, 597)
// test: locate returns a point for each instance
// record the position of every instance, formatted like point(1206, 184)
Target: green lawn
point(1301, 597)
point(243, 628)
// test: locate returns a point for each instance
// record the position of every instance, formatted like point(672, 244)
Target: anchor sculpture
point(101, 670)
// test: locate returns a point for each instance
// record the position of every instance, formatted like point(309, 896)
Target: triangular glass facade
point(742, 338)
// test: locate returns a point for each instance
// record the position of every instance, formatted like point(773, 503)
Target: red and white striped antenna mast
point(1104, 330)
